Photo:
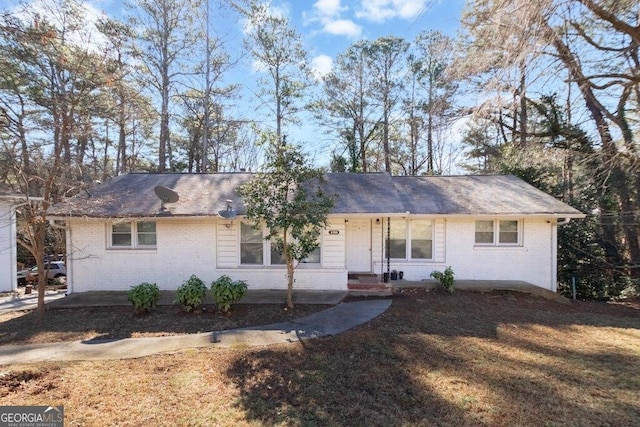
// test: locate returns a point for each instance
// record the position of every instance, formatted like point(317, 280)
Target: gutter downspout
point(387, 247)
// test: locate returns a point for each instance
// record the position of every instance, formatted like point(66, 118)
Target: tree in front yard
point(288, 199)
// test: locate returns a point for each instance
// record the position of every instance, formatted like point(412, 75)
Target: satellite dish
point(165, 194)
point(228, 213)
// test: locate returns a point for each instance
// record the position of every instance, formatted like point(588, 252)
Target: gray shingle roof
point(477, 195)
point(133, 195)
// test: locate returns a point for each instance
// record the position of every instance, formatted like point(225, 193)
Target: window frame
point(268, 252)
point(408, 239)
point(134, 235)
point(498, 233)
point(240, 243)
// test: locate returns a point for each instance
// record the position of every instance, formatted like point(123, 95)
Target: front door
point(359, 245)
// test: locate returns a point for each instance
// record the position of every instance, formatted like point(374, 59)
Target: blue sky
point(330, 26)
point(327, 28)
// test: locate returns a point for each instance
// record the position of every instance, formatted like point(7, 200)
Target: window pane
point(397, 248)
point(314, 257)
point(146, 233)
point(147, 227)
point(124, 227)
point(251, 245)
point(277, 257)
point(508, 232)
point(251, 253)
point(121, 239)
point(398, 239)
point(398, 229)
point(121, 234)
point(250, 234)
point(484, 231)
point(421, 239)
point(147, 239)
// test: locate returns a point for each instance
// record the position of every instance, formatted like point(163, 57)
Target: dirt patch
point(463, 359)
point(68, 324)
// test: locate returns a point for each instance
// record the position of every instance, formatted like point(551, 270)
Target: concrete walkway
point(332, 321)
point(16, 301)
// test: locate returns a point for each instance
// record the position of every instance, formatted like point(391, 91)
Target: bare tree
point(165, 36)
point(277, 50)
point(51, 70)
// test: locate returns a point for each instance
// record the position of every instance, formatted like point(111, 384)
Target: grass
point(69, 324)
point(431, 359)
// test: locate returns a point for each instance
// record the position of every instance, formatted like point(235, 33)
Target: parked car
point(55, 270)
point(22, 276)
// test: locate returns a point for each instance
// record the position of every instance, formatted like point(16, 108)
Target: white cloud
point(342, 27)
point(383, 10)
point(328, 14)
point(83, 34)
point(321, 65)
point(328, 7)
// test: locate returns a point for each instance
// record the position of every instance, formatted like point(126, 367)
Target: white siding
point(228, 243)
point(377, 245)
point(333, 245)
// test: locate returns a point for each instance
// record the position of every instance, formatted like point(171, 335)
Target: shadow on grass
point(113, 323)
point(462, 359)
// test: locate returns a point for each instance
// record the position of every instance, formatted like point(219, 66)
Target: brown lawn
point(431, 359)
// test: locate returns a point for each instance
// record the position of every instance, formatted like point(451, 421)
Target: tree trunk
point(523, 107)
point(610, 165)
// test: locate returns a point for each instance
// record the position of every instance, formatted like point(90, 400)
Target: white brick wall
point(531, 262)
point(184, 247)
point(189, 246)
point(8, 280)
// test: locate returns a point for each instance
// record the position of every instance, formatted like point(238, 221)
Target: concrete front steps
point(368, 285)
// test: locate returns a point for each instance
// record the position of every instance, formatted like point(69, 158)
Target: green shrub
point(446, 279)
point(227, 292)
point(191, 293)
point(144, 297)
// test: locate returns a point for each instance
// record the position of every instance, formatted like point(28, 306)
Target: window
point(251, 244)
point(277, 257)
point(253, 250)
point(146, 233)
point(421, 239)
point(506, 230)
point(484, 232)
point(398, 239)
point(313, 257)
point(413, 238)
point(121, 235)
point(135, 234)
point(508, 233)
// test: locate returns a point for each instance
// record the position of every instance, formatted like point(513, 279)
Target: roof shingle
point(132, 195)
